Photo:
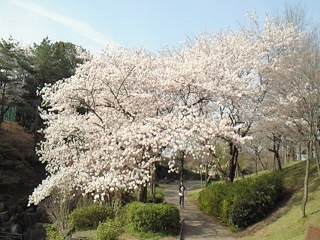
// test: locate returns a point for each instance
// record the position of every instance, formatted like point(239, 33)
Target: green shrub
point(109, 230)
point(211, 199)
point(151, 217)
point(243, 202)
point(125, 214)
point(52, 232)
point(265, 192)
point(89, 217)
point(169, 217)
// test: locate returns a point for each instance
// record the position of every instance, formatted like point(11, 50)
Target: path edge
point(182, 229)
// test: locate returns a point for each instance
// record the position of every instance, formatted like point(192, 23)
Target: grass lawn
point(193, 195)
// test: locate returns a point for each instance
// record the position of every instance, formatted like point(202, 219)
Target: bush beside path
point(197, 224)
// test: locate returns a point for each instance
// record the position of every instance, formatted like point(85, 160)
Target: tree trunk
point(142, 194)
point(276, 148)
point(258, 159)
point(262, 165)
point(276, 139)
point(207, 173)
point(285, 154)
point(305, 190)
point(277, 156)
point(3, 102)
point(292, 153)
point(300, 152)
point(153, 182)
point(305, 185)
point(232, 163)
point(182, 166)
point(317, 155)
point(256, 165)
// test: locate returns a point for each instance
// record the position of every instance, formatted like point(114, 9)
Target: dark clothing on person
point(182, 190)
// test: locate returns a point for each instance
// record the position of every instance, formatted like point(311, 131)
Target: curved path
point(197, 224)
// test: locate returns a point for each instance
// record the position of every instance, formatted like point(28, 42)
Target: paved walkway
point(197, 225)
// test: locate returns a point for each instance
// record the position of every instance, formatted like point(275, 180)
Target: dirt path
point(197, 225)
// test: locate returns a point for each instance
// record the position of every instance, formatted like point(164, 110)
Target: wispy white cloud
point(76, 26)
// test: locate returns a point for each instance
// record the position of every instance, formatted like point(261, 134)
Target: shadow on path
point(197, 224)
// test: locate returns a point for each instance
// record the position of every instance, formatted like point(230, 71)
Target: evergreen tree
point(12, 75)
point(50, 62)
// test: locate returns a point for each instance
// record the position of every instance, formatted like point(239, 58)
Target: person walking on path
point(198, 226)
point(182, 191)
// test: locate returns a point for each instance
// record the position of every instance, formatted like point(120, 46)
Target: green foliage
point(54, 61)
point(89, 217)
point(12, 74)
point(109, 230)
point(52, 232)
point(125, 214)
point(243, 202)
point(159, 197)
point(127, 197)
point(151, 217)
point(222, 151)
point(211, 198)
point(262, 197)
point(46, 63)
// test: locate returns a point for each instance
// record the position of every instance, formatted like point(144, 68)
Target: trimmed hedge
point(89, 217)
point(151, 217)
point(244, 202)
point(109, 230)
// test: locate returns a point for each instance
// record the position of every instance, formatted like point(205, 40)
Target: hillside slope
point(286, 223)
point(20, 171)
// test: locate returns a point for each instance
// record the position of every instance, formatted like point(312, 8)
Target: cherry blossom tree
point(221, 80)
point(292, 103)
point(298, 98)
point(100, 134)
point(110, 122)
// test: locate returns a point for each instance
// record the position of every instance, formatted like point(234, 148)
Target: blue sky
point(131, 23)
